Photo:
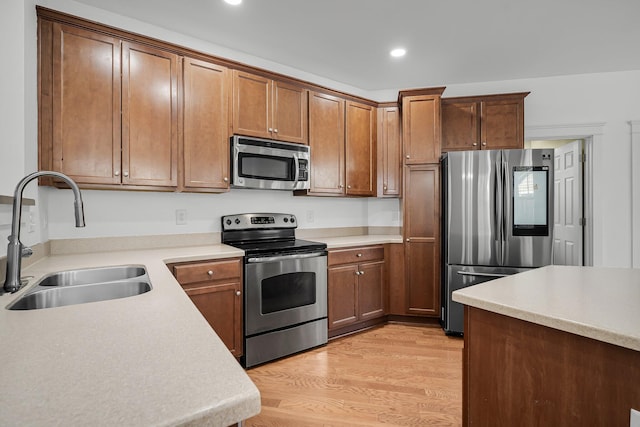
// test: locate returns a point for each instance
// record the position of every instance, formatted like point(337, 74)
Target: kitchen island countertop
point(598, 303)
point(150, 359)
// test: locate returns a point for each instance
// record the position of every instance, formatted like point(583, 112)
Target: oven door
point(286, 290)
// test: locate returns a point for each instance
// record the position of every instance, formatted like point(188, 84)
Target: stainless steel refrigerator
point(497, 219)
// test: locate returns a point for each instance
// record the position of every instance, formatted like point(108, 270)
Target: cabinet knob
point(357, 273)
point(275, 130)
point(361, 272)
point(225, 179)
point(384, 187)
point(270, 129)
point(407, 240)
point(117, 173)
point(125, 174)
point(408, 156)
point(210, 273)
point(484, 144)
point(238, 293)
point(475, 144)
point(340, 186)
point(358, 255)
point(348, 186)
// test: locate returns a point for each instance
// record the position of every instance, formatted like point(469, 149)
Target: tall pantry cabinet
point(421, 136)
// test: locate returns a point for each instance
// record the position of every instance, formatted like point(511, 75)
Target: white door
point(567, 228)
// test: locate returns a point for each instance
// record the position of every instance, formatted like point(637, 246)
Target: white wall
point(567, 100)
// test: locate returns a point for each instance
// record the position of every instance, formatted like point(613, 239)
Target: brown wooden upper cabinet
point(206, 127)
point(389, 152)
point(108, 109)
point(343, 150)
point(483, 122)
point(421, 130)
point(268, 108)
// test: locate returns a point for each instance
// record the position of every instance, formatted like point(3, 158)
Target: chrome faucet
point(16, 250)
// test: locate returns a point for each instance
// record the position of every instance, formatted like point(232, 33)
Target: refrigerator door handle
point(468, 273)
point(497, 196)
point(503, 186)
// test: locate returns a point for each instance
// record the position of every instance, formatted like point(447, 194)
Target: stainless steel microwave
point(267, 164)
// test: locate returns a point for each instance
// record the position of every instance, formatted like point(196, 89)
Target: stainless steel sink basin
point(92, 275)
point(83, 286)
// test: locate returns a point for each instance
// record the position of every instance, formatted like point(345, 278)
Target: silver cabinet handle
point(210, 273)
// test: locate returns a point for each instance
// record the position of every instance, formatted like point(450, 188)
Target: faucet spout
point(15, 249)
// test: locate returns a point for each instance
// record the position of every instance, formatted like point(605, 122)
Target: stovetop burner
point(265, 233)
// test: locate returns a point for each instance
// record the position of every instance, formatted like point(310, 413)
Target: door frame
point(593, 136)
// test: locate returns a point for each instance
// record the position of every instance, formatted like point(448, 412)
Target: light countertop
point(598, 303)
point(150, 359)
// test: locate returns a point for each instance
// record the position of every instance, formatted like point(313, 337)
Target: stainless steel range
point(285, 286)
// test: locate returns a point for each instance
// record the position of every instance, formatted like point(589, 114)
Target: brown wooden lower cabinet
point(215, 287)
point(517, 373)
point(356, 288)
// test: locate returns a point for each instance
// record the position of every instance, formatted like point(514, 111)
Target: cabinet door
point(389, 152)
point(206, 126)
point(360, 149)
point(421, 131)
point(502, 124)
point(371, 294)
point(221, 305)
point(342, 296)
point(326, 139)
point(85, 105)
point(149, 116)
point(460, 126)
point(251, 105)
point(290, 113)
point(422, 237)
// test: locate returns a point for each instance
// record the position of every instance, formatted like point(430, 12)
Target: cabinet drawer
point(355, 255)
point(208, 270)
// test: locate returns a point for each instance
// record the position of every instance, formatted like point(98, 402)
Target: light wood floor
point(394, 375)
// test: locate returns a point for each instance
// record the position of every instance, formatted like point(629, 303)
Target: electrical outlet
point(310, 216)
point(181, 216)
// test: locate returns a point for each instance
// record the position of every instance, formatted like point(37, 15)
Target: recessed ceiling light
point(398, 52)
point(234, 2)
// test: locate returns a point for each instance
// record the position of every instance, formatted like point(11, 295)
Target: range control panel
point(258, 221)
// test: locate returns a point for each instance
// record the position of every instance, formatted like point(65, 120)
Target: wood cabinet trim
point(490, 97)
point(53, 15)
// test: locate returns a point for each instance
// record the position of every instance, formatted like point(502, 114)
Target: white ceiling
point(448, 41)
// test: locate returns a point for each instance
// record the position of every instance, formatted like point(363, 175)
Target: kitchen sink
point(93, 275)
point(84, 286)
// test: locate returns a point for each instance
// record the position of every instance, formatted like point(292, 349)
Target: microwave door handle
point(296, 165)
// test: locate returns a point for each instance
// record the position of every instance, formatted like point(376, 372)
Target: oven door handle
point(255, 260)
